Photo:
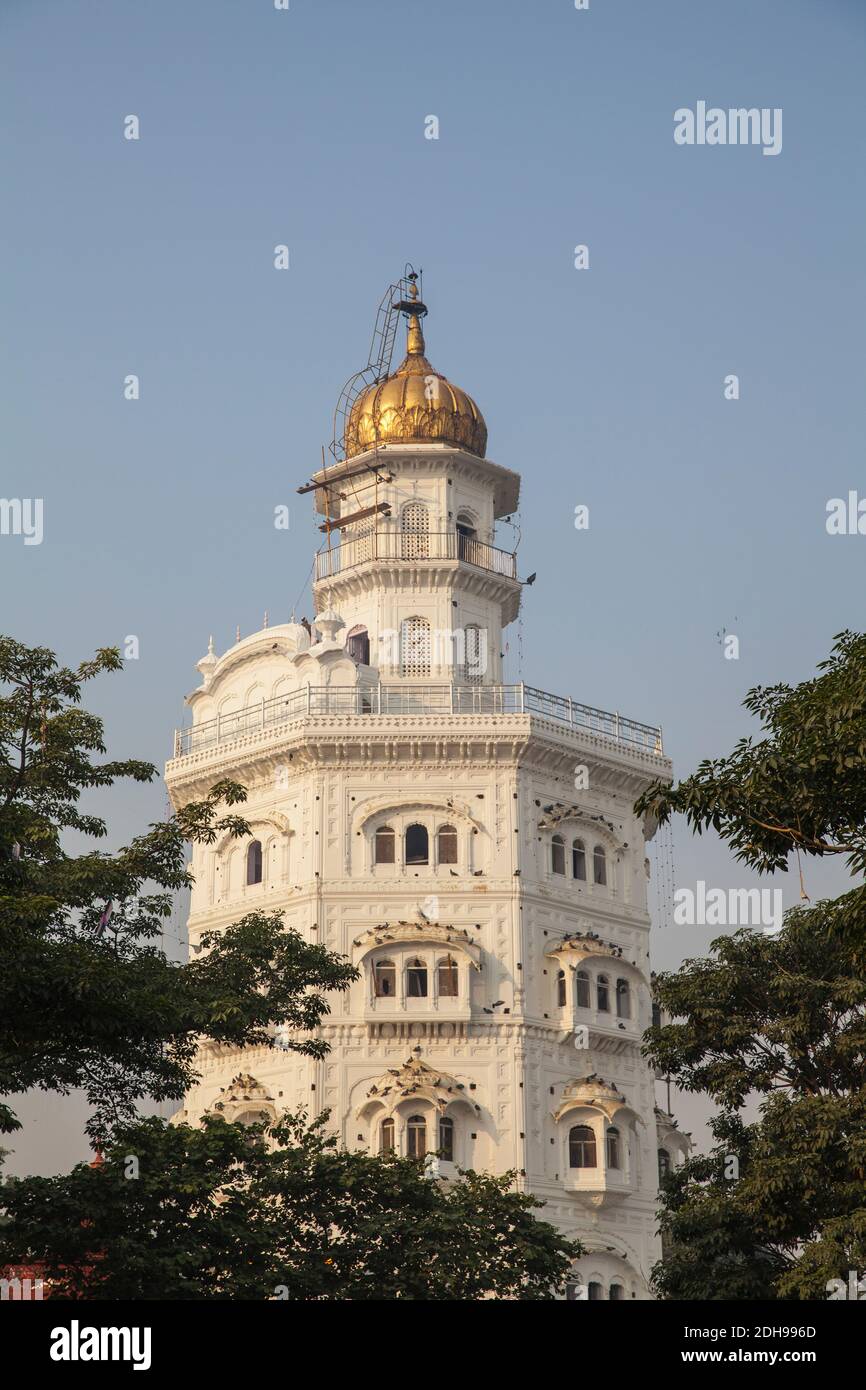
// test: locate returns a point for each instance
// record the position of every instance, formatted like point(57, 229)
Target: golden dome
point(416, 403)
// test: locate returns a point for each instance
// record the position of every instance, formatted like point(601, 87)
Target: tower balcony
point(411, 547)
point(367, 705)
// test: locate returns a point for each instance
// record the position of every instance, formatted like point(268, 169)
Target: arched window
point(385, 979)
point(664, 1164)
point(446, 1139)
point(599, 864)
point(623, 999)
point(416, 1136)
point(561, 996)
point(254, 862)
point(415, 647)
point(596, 1291)
point(446, 844)
point(657, 1015)
point(582, 989)
point(416, 979)
point(386, 1137)
point(474, 655)
point(603, 994)
point(581, 1147)
point(417, 845)
point(358, 645)
point(617, 1292)
point(612, 1140)
point(578, 860)
point(384, 845)
point(447, 979)
point(415, 525)
point(557, 855)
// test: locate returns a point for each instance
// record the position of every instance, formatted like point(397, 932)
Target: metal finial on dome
point(414, 309)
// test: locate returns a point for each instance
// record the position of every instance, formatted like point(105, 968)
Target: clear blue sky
point(602, 387)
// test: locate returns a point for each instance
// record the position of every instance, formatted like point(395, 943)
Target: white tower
point(469, 845)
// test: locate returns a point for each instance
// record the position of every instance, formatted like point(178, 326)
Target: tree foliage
point(775, 1024)
point(227, 1212)
point(91, 1001)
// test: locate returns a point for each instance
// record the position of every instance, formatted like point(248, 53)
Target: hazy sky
point(602, 386)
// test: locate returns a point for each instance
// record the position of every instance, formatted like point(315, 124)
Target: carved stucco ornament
point(415, 1080)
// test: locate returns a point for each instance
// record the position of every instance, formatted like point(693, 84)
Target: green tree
point(227, 1212)
point(88, 999)
point(777, 1208)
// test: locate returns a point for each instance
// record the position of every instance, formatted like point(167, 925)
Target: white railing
point(412, 546)
point(414, 700)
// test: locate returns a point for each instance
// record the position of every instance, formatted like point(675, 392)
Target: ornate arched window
point(254, 862)
point(446, 844)
point(623, 999)
point(383, 851)
point(664, 1164)
point(385, 979)
point(603, 994)
point(617, 1292)
point(447, 978)
point(474, 655)
point(557, 855)
point(416, 1136)
point(612, 1143)
point(446, 1139)
point(596, 1291)
point(581, 1147)
point(358, 645)
point(415, 526)
point(416, 979)
point(561, 996)
point(582, 989)
point(415, 646)
point(386, 1137)
point(417, 845)
point(599, 864)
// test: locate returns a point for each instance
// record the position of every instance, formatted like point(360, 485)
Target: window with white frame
point(446, 844)
point(386, 1137)
point(384, 845)
point(599, 865)
point(416, 1136)
point(557, 855)
point(582, 1147)
point(623, 999)
point(447, 978)
point(416, 979)
point(446, 1139)
point(385, 979)
point(578, 860)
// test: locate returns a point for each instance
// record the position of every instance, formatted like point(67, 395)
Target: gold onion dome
point(415, 403)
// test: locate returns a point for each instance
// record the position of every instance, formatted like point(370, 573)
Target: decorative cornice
point(594, 1093)
point(421, 932)
point(414, 1081)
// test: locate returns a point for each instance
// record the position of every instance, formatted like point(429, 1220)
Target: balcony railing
point(414, 545)
point(465, 700)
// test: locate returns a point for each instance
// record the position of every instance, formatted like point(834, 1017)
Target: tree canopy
point(87, 996)
point(281, 1211)
point(776, 1209)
